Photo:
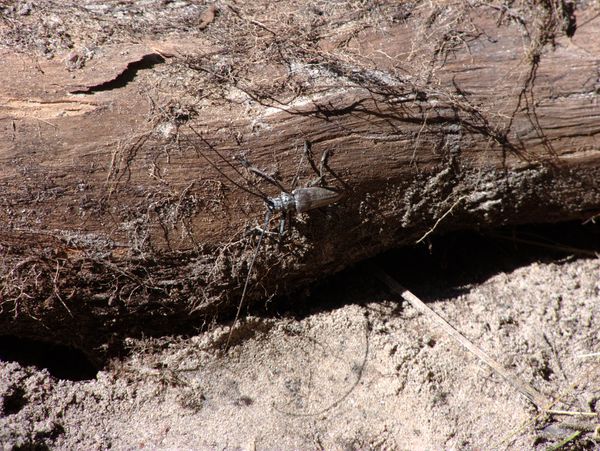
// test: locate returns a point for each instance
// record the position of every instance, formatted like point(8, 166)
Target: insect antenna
point(243, 296)
point(257, 192)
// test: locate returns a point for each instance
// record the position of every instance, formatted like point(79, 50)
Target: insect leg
point(262, 174)
point(282, 222)
point(298, 168)
point(309, 156)
point(311, 161)
point(324, 164)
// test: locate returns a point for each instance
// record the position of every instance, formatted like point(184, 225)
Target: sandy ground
point(350, 367)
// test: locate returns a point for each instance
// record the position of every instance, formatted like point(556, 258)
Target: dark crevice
point(448, 265)
point(13, 401)
point(452, 263)
point(32, 447)
point(569, 18)
point(147, 62)
point(62, 362)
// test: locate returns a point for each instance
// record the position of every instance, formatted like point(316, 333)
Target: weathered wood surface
point(112, 220)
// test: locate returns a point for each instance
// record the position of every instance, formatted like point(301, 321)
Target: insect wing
point(314, 197)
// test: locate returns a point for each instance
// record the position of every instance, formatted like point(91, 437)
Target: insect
point(286, 204)
point(298, 200)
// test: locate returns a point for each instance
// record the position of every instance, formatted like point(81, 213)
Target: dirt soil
point(350, 366)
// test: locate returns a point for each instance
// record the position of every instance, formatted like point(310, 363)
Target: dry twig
point(536, 398)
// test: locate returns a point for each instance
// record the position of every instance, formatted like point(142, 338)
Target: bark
point(125, 204)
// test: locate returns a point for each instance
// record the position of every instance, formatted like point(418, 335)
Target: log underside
point(124, 203)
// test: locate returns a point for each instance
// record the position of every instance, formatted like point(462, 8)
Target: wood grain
point(122, 203)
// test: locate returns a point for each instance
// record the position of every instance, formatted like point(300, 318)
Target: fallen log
point(127, 204)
